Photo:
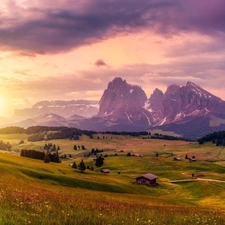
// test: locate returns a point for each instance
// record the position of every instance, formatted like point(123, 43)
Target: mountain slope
point(44, 120)
point(195, 127)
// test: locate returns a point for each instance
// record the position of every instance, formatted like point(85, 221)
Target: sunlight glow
point(2, 105)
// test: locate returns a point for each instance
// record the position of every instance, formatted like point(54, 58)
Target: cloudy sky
point(71, 49)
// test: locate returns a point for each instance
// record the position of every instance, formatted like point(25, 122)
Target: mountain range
point(189, 111)
point(83, 108)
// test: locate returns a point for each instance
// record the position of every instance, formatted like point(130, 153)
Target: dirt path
point(197, 179)
point(204, 179)
point(219, 154)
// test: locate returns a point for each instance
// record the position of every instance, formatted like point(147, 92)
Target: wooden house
point(149, 179)
point(105, 171)
point(177, 159)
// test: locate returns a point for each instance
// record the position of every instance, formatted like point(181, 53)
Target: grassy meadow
point(34, 192)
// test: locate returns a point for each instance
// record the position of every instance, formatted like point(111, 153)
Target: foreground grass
point(35, 203)
point(32, 192)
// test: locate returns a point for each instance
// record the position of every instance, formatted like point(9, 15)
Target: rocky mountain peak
point(157, 93)
point(200, 92)
point(117, 82)
point(122, 101)
point(173, 90)
point(155, 100)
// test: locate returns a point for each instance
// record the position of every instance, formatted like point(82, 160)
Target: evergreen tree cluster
point(78, 147)
point(40, 155)
point(124, 133)
point(45, 129)
point(32, 154)
point(81, 166)
point(166, 137)
point(12, 130)
point(51, 147)
point(72, 135)
point(5, 146)
point(36, 137)
point(94, 152)
point(39, 133)
point(217, 138)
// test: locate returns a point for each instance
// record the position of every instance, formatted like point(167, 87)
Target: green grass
point(32, 192)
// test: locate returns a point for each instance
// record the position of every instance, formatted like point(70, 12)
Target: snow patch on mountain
point(149, 122)
point(163, 121)
point(128, 117)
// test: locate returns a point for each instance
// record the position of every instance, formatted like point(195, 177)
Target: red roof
point(148, 176)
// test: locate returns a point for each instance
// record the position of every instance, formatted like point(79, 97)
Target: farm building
point(177, 159)
point(193, 160)
point(149, 179)
point(105, 171)
point(137, 155)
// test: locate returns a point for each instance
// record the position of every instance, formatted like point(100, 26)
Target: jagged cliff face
point(155, 105)
point(181, 102)
point(122, 101)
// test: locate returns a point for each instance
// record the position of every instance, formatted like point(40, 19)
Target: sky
point(72, 49)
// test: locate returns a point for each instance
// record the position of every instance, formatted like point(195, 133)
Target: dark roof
point(148, 176)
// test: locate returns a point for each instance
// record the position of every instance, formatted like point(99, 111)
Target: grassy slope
point(29, 187)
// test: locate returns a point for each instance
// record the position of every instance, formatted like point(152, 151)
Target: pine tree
point(46, 158)
point(74, 165)
point(53, 148)
point(99, 161)
point(22, 152)
point(82, 166)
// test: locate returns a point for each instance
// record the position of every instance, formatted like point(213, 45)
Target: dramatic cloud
point(61, 26)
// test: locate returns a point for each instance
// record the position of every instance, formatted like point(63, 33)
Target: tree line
point(82, 167)
point(46, 157)
point(40, 133)
point(217, 138)
point(127, 133)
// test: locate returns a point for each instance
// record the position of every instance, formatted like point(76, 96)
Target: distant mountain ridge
point(188, 110)
point(84, 108)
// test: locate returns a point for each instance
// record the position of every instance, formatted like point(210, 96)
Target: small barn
point(149, 179)
point(177, 159)
point(105, 171)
